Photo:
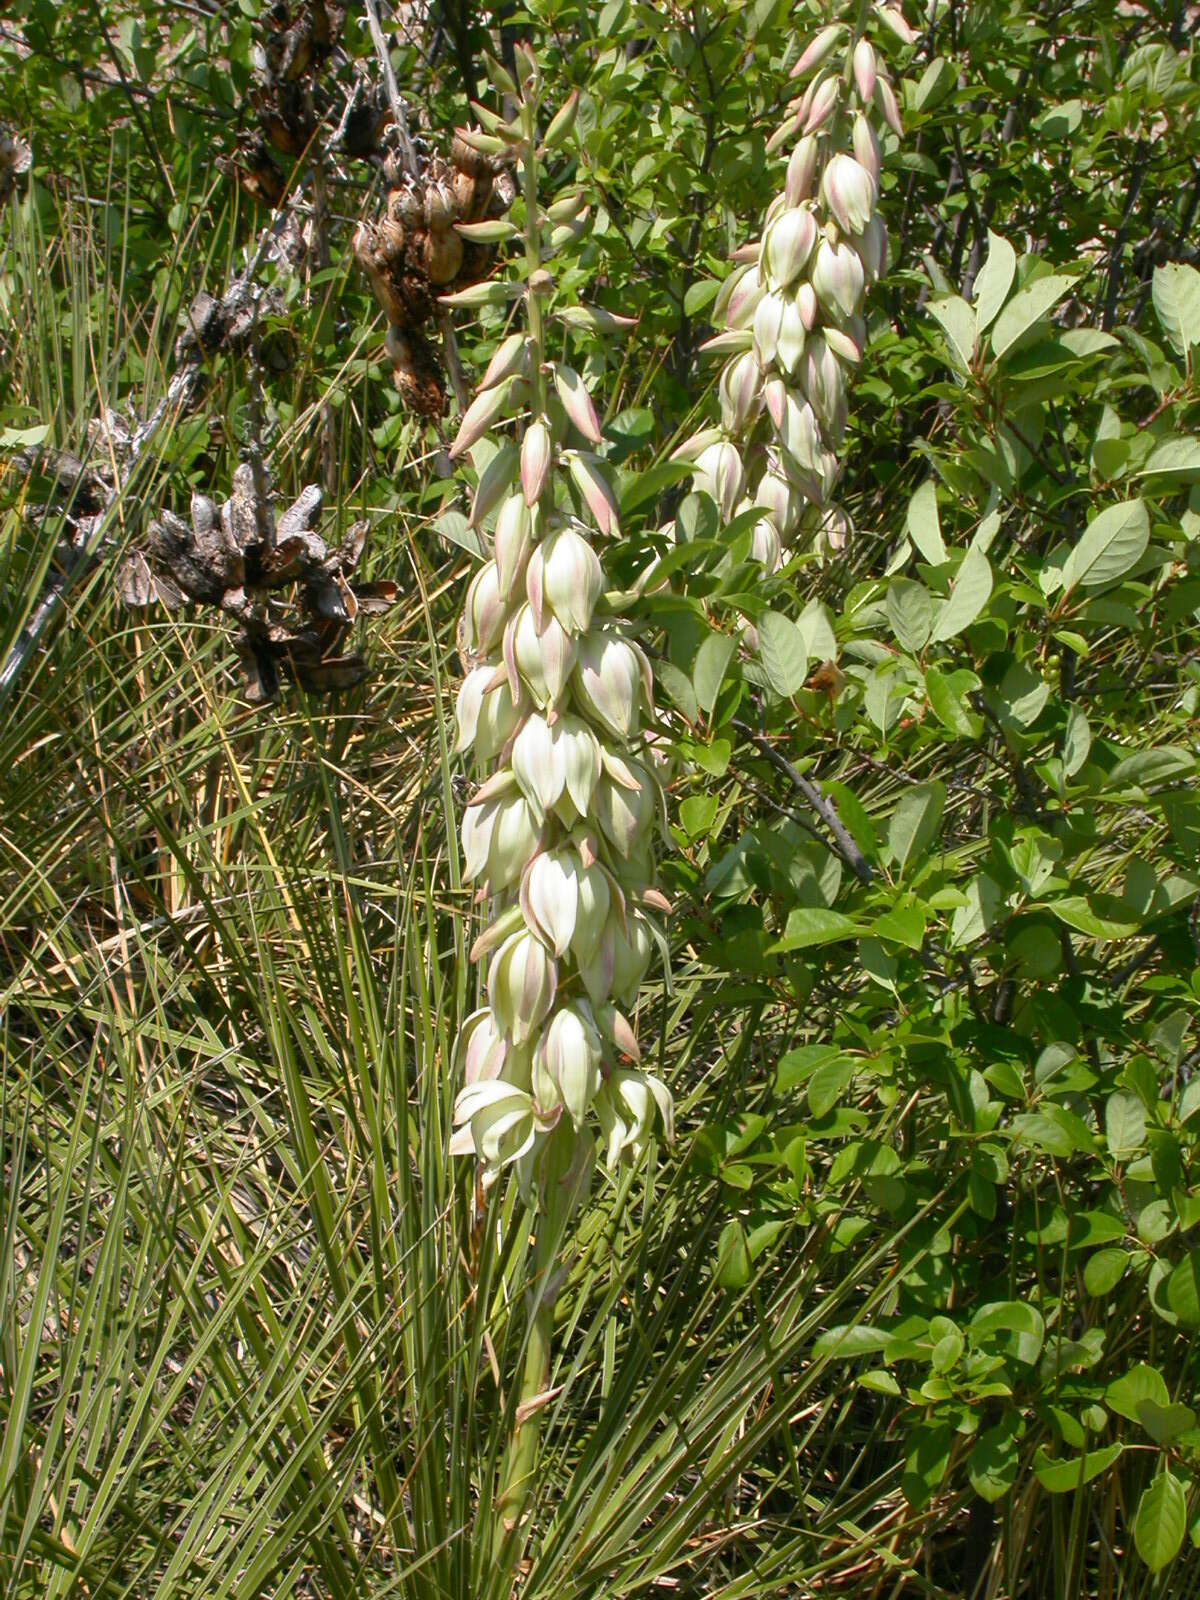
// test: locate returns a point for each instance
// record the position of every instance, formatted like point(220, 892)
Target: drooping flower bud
point(522, 981)
point(863, 63)
point(512, 542)
point(537, 453)
point(498, 838)
point(866, 145)
point(739, 390)
point(564, 574)
point(496, 1120)
point(485, 713)
point(787, 245)
point(838, 278)
point(568, 1056)
point(612, 679)
point(719, 472)
point(801, 171)
point(542, 657)
point(849, 191)
point(481, 1050)
point(484, 612)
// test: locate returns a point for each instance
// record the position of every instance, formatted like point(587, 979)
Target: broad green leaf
point(1061, 1477)
point(1104, 1270)
point(995, 280)
point(808, 926)
point(708, 672)
point(679, 687)
point(783, 653)
point(947, 696)
point(957, 322)
point(968, 595)
point(1177, 301)
point(846, 1342)
point(826, 1085)
point(1078, 912)
point(454, 526)
point(1113, 542)
point(733, 1256)
point(1077, 741)
point(1026, 308)
point(924, 524)
point(1011, 1317)
point(1124, 1124)
point(926, 1462)
point(915, 822)
point(992, 1464)
point(1160, 1521)
point(1165, 1423)
point(1173, 458)
point(910, 611)
point(1145, 767)
point(1183, 1290)
point(1126, 1394)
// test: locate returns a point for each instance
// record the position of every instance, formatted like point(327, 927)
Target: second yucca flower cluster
point(556, 707)
point(792, 309)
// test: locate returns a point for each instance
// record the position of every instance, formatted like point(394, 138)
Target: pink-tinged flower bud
point(541, 658)
point(864, 70)
point(819, 47)
point(612, 682)
point(484, 612)
point(872, 246)
point(511, 358)
point(765, 545)
point(892, 18)
point(823, 103)
point(538, 764)
point(789, 346)
point(768, 318)
point(847, 342)
point(485, 713)
point(618, 1030)
point(838, 278)
point(885, 99)
point(801, 171)
point(739, 388)
point(512, 542)
point(550, 897)
point(499, 837)
point(627, 1107)
point(806, 305)
point(721, 303)
point(780, 501)
point(522, 982)
point(775, 394)
point(566, 1060)
point(787, 245)
point(494, 483)
point(596, 893)
point(849, 191)
point(823, 379)
point(598, 496)
point(834, 531)
point(694, 446)
point(719, 472)
point(744, 299)
point(799, 434)
point(487, 405)
point(581, 761)
point(577, 402)
point(537, 456)
point(480, 1050)
point(565, 575)
point(496, 1120)
point(625, 803)
point(866, 145)
point(632, 948)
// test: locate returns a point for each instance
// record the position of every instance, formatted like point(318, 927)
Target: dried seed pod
point(442, 255)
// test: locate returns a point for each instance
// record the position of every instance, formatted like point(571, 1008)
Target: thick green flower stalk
point(556, 707)
point(794, 331)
